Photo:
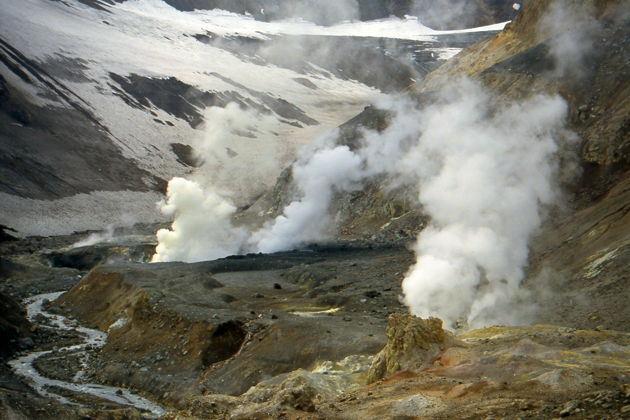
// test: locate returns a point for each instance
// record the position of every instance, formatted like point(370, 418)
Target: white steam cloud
point(238, 142)
point(202, 229)
point(202, 206)
point(570, 26)
point(483, 170)
point(306, 220)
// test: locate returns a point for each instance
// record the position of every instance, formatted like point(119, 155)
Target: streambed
point(92, 339)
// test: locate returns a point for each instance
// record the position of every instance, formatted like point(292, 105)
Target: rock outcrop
point(538, 371)
point(412, 343)
point(524, 59)
point(14, 326)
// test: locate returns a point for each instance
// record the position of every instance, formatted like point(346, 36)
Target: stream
point(93, 339)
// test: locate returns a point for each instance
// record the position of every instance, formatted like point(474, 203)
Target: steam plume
point(306, 220)
point(202, 207)
point(96, 238)
point(202, 229)
point(570, 26)
point(483, 172)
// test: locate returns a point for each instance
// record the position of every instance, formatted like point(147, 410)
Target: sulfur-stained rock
point(411, 344)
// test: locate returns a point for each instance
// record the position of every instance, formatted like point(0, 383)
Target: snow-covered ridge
point(230, 24)
point(124, 62)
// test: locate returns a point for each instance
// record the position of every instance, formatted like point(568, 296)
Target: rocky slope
point(224, 326)
point(582, 248)
point(13, 325)
point(296, 335)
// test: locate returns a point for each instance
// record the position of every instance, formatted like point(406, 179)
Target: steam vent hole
point(225, 342)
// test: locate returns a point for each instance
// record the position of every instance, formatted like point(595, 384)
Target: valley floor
point(291, 335)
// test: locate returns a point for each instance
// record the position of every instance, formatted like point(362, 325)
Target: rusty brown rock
point(412, 343)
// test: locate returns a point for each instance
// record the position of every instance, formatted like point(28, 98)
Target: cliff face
point(13, 326)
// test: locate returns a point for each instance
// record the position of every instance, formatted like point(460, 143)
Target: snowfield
point(84, 50)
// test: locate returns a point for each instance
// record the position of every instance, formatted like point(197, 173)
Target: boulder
point(412, 343)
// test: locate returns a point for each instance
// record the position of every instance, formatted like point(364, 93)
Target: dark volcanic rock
point(11, 106)
point(81, 259)
point(60, 152)
point(169, 94)
point(223, 336)
point(5, 236)
point(185, 154)
point(87, 257)
point(67, 68)
point(98, 4)
point(187, 102)
point(13, 326)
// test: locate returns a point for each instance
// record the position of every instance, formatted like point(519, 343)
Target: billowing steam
point(234, 138)
point(202, 229)
point(570, 26)
point(202, 206)
point(306, 220)
point(484, 171)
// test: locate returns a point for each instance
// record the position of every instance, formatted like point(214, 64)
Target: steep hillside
point(13, 326)
point(577, 49)
point(583, 252)
point(103, 102)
